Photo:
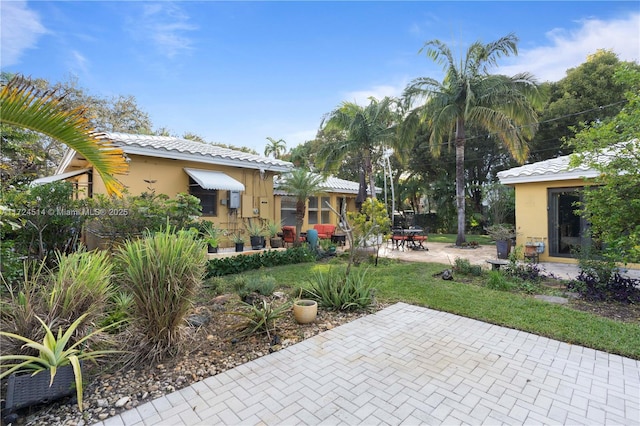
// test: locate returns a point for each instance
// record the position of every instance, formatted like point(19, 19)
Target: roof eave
point(174, 155)
point(572, 175)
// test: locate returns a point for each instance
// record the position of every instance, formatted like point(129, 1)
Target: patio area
point(411, 365)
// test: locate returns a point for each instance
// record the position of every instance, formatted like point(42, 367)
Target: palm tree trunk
point(372, 183)
point(300, 209)
point(460, 139)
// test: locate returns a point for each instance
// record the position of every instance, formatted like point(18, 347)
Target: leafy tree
point(469, 95)
point(275, 147)
point(25, 106)
point(365, 130)
point(612, 147)
point(302, 184)
point(587, 94)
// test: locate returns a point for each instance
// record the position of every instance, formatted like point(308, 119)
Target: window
point(208, 198)
point(313, 210)
point(288, 211)
point(326, 213)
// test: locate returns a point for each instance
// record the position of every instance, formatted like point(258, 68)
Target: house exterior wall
point(166, 176)
point(532, 218)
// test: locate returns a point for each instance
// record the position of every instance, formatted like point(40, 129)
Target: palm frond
point(23, 105)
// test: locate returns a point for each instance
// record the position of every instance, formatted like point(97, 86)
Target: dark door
point(567, 229)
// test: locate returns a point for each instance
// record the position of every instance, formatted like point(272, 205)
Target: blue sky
point(237, 72)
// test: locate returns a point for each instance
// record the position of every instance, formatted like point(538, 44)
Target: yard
point(217, 345)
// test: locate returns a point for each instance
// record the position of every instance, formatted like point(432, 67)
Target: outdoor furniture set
point(412, 237)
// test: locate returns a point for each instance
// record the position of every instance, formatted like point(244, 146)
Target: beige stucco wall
point(532, 214)
point(167, 176)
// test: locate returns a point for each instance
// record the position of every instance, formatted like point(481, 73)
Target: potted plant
point(238, 240)
point(502, 234)
point(211, 234)
point(328, 246)
point(273, 228)
point(256, 234)
point(27, 385)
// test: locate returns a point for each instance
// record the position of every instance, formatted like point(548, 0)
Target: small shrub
point(497, 281)
point(464, 267)
point(334, 290)
point(618, 288)
point(118, 311)
point(164, 272)
point(260, 318)
point(266, 259)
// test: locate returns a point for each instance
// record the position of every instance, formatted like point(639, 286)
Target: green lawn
point(414, 283)
point(451, 239)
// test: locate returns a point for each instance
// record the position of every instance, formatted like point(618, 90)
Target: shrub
point(118, 311)
point(267, 259)
point(164, 272)
point(263, 285)
point(497, 281)
point(617, 288)
point(334, 290)
point(464, 267)
point(260, 318)
point(79, 287)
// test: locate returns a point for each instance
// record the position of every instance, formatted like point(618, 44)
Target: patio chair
point(289, 235)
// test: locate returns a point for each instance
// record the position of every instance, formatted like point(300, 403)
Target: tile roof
point(183, 149)
point(558, 168)
point(547, 170)
point(333, 184)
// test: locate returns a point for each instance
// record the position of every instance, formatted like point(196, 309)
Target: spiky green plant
point(336, 290)
point(260, 318)
point(53, 353)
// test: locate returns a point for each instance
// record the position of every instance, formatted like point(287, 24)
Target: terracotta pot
point(305, 311)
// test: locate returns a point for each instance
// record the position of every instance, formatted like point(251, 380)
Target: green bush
point(464, 267)
point(498, 281)
point(263, 285)
point(266, 259)
point(334, 290)
point(164, 273)
point(118, 311)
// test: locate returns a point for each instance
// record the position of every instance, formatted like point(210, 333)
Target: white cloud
point(166, 25)
point(21, 29)
point(361, 97)
point(569, 49)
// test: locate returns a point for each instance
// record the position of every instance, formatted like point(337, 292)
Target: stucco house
point(232, 185)
point(546, 193)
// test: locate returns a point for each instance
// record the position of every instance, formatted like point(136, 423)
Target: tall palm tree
point(275, 147)
point(366, 130)
point(23, 105)
point(502, 105)
point(301, 184)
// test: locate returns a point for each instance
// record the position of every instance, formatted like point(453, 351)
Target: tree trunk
point(372, 182)
point(300, 210)
point(460, 181)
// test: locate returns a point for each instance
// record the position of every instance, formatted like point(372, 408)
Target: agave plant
point(261, 318)
point(53, 353)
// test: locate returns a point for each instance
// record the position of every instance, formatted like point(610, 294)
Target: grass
point(451, 239)
point(472, 299)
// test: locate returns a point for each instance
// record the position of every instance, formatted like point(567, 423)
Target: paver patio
point(411, 365)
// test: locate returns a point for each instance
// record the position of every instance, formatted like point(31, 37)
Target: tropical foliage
point(301, 184)
point(469, 95)
point(25, 106)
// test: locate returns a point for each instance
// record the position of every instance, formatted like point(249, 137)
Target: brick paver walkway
point(411, 365)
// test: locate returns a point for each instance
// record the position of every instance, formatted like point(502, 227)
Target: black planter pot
point(211, 249)
point(503, 248)
point(25, 390)
point(275, 242)
point(239, 247)
point(257, 243)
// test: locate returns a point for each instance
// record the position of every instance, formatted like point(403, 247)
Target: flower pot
point(305, 311)
point(239, 247)
point(212, 249)
point(257, 242)
point(25, 389)
point(275, 242)
point(503, 248)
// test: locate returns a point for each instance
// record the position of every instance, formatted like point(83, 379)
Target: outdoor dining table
point(411, 236)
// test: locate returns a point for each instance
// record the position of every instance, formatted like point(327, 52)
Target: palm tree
point(275, 147)
point(366, 131)
point(301, 184)
point(23, 105)
point(469, 95)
